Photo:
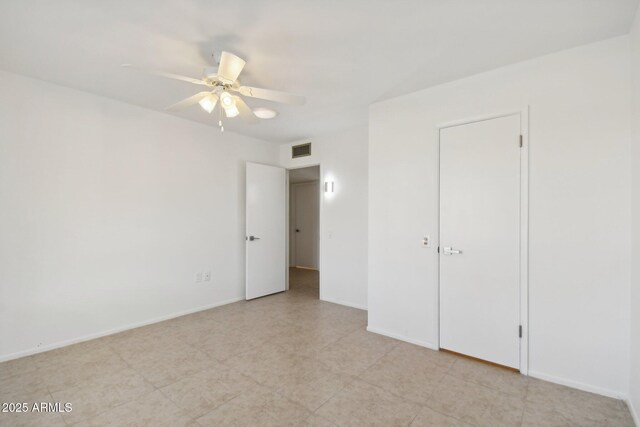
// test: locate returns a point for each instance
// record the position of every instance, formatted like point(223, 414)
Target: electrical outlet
point(198, 277)
point(426, 241)
point(207, 276)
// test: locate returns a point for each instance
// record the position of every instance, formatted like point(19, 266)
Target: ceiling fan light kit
point(208, 103)
point(221, 84)
point(231, 111)
point(227, 99)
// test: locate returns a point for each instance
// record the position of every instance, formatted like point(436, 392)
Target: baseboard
point(89, 337)
point(348, 304)
point(578, 385)
point(634, 413)
point(403, 338)
point(535, 374)
point(305, 268)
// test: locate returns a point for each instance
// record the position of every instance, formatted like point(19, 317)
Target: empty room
point(320, 213)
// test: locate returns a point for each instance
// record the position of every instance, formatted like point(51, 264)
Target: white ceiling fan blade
point(166, 75)
point(230, 67)
point(192, 100)
point(246, 113)
point(271, 95)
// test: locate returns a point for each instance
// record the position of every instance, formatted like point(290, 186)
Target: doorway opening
point(304, 231)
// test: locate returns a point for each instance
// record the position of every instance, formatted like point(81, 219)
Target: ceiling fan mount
point(225, 90)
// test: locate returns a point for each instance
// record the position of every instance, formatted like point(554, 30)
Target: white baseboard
point(348, 304)
point(403, 338)
point(578, 385)
point(16, 355)
point(305, 268)
point(535, 374)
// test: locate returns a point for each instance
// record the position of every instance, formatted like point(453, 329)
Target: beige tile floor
point(284, 360)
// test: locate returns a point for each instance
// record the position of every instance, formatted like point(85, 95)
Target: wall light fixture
point(329, 186)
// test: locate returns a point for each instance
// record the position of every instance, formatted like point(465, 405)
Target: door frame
point(320, 221)
point(523, 112)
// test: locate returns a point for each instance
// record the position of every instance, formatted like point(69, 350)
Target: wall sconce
point(328, 186)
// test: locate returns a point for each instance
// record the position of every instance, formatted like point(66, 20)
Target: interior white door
point(480, 240)
point(265, 230)
point(307, 222)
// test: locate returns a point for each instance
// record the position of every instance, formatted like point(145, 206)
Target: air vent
point(301, 150)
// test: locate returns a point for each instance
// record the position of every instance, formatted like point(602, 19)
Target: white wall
point(343, 214)
point(108, 210)
point(635, 209)
point(579, 208)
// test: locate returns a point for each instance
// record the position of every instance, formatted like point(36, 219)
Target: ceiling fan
point(224, 89)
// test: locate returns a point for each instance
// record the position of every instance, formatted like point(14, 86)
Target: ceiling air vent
point(301, 150)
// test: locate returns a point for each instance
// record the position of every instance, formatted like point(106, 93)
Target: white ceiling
point(341, 54)
point(311, 173)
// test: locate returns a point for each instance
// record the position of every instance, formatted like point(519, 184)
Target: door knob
point(252, 238)
point(450, 251)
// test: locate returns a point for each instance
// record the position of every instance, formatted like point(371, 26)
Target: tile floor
point(284, 360)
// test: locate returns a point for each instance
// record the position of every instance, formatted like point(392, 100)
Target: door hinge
point(438, 249)
point(520, 331)
point(520, 141)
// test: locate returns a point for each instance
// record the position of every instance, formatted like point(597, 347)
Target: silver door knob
point(252, 238)
point(450, 251)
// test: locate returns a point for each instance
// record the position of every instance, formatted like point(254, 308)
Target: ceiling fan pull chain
point(220, 119)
